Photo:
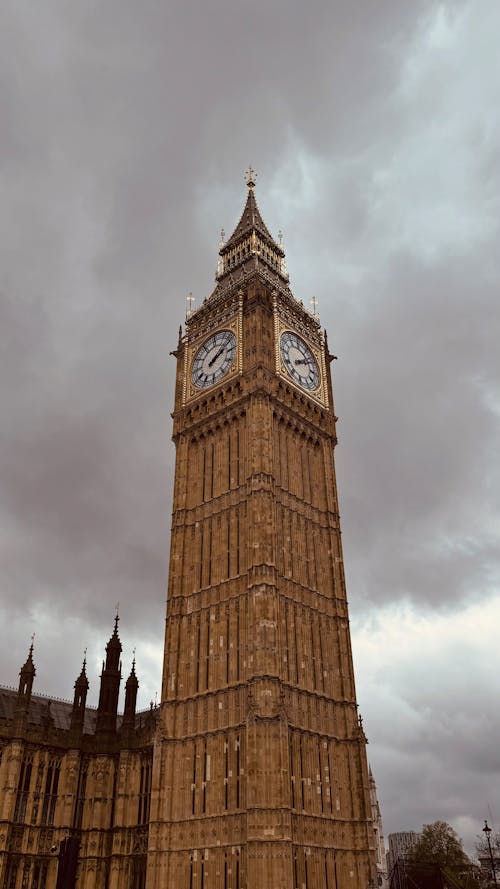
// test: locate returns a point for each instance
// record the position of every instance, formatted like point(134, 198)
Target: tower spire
point(27, 674)
point(110, 684)
point(251, 240)
point(131, 687)
point(80, 697)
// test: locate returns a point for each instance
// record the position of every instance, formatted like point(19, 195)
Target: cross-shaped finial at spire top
point(250, 177)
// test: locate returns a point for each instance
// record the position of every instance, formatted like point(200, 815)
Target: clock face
point(213, 359)
point(299, 361)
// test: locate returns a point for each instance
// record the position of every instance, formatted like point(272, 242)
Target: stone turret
point(110, 685)
point(131, 687)
point(79, 700)
point(27, 674)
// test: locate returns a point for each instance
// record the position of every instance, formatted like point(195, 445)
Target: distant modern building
point(400, 846)
point(380, 851)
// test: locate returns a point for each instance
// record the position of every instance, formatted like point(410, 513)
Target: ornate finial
point(314, 305)
point(250, 177)
point(189, 304)
point(280, 238)
point(222, 238)
point(32, 641)
point(83, 672)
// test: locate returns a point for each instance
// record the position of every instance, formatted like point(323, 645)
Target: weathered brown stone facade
point(252, 774)
point(68, 770)
point(260, 777)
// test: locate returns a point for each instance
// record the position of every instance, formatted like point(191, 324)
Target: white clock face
point(213, 359)
point(299, 361)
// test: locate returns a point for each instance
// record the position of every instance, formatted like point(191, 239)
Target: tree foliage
point(439, 844)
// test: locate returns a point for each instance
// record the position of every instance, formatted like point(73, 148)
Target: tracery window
point(23, 788)
point(50, 790)
point(144, 789)
point(80, 794)
point(138, 880)
point(11, 872)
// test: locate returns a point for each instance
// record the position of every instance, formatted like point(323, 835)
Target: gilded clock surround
point(307, 328)
point(200, 335)
point(214, 359)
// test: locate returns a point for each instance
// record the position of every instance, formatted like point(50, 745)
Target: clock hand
point(301, 361)
point(216, 356)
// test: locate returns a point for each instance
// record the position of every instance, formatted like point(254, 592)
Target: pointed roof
point(251, 221)
point(28, 668)
point(132, 679)
point(82, 681)
point(114, 641)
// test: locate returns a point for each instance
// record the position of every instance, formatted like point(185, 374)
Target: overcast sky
point(125, 129)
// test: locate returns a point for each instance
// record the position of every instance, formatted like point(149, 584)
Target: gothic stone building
point(252, 773)
point(68, 770)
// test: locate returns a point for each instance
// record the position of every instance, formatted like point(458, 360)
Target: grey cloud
point(423, 435)
point(125, 133)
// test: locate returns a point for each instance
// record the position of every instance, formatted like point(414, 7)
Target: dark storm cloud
point(374, 128)
point(426, 366)
point(425, 692)
point(110, 137)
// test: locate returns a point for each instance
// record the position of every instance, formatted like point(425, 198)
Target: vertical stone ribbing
point(259, 775)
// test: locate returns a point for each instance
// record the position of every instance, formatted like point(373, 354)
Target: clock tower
point(260, 778)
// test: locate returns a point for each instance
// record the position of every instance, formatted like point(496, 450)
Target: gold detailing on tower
point(250, 177)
